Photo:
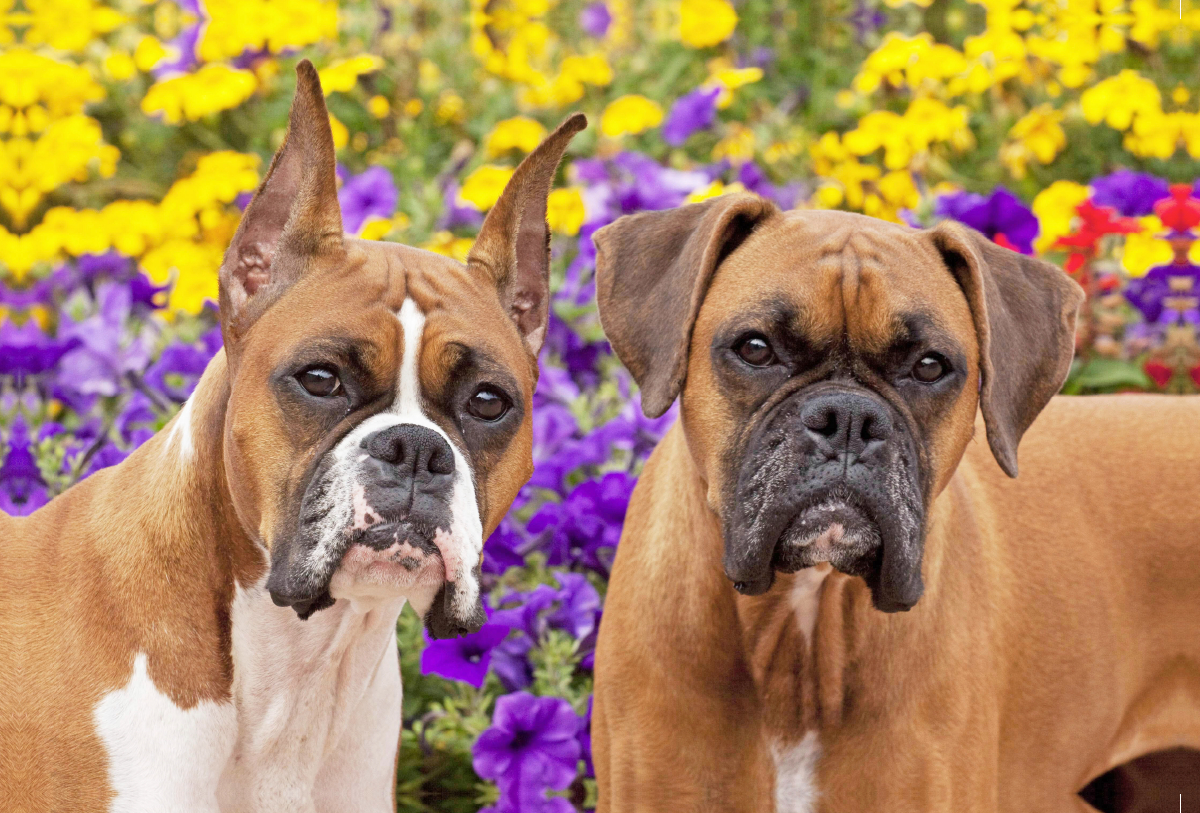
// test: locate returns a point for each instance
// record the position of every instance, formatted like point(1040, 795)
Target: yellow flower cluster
point(512, 40)
point(1133, 104)
point(235, 26)
point(65, 25)
point(1037, 135)
point(630, 114)
point(859, 186)
point(184, 235)
point(703, 23)
point(193, 96)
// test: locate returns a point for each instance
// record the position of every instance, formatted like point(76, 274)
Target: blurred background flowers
point(133, 132)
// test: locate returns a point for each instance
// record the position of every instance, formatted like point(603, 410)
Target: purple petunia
point(1166, 295)
point(1132, 194)
point(692, 111)
point(105, 352)
point(584, 528)
point(27, 351)
point(532, 747)
point(465, 658)
point(1001, 216)
point(22, 489)
point(595, 19)
point(369, 194)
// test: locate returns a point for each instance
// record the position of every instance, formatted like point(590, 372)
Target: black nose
point(412, 449)
point(846, 423)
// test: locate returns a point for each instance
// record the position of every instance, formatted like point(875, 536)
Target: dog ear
point(513, 246)
point(293, 217)
point(652, 273)
point(1024, 311)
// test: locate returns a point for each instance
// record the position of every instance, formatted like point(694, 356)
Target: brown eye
point(487, 404)
point(929, 369)
point(755, 351)
point(320, 382)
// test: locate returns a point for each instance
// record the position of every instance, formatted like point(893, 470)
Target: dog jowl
point(372, 445)
point(845, 383)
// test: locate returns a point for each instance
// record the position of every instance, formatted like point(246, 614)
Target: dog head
point(830, 366)
point(379, 418)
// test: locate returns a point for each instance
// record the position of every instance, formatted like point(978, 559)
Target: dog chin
point(833, 530)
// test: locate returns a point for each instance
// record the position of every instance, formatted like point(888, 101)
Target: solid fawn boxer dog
point(211, 625)
point(828, 472)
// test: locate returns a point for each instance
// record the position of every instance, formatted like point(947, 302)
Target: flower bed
point(132, 133)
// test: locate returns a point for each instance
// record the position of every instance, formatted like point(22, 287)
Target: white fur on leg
point(162, 757)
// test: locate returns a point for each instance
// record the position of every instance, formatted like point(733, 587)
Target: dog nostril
point(739, 586)
point(823, 422)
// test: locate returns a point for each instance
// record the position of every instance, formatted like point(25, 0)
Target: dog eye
point(755, 350)
point(487, 404)
point(320, 382)
point(930, 368)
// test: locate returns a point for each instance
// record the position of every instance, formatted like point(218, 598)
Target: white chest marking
point(318, 706)
point(795, 775)
point(162, 757)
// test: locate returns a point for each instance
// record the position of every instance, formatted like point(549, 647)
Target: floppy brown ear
point(652, 273)
point(513, 246)
point(294, 214)
point(1024, 311)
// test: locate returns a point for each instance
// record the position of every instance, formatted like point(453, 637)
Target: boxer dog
point(211, 624)
point(823, 477)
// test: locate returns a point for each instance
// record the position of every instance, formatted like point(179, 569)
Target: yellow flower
point(413, 108)
point(1145, 249)
point(1158, 135)
point(1119, 98)
point(714, 190)
point(375, 228)
point(590, 70)
point(235, 26)
point(630, 114)
point(343, 74)
point(1037, 134)
point(451, 109)
point(195, 95)
point(149, 52)
point(69, 25)
point(737, 147)
point(1054, 207)
point(706, 22)
point(729, 79)
point(27, 78)
point(119, 66)
point(446, 243)
point(378, 106)
point(519, 133)
point(482, 187)
point(564, 210)
point(341, 135)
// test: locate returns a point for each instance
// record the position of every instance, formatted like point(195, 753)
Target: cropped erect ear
point(293, 217)
point(653, 270)
point(1024, 311)
point(513, 246)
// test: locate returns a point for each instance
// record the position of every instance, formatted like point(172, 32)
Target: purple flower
point(502, 549)
point(22, 489)
point(370, 194)
point(595, 19)
point(1167, 294)
point(180, 366)
point(865, 19)
point(584, 528)
point(579, 606)
point(756, 181)
point(27, 351)
point(692, 111)
point(1001, 216)
point(105, 353)
point(457, 215)
point(585, 741)
point(466, 658)
point(1132, 194)
point(531, 747)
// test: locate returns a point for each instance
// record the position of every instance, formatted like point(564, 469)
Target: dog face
point(830, 367)
point(379, 417)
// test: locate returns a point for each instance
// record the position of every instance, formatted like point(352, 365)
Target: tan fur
point(1059, 632)
point(144, 557)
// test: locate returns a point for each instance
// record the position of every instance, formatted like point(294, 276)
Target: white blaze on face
point(461, 544)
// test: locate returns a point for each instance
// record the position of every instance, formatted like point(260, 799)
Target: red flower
point(1181, 211)
point(1097, 222)
point(1158, 371)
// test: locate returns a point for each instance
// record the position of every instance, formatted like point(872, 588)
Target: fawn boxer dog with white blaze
point(211, 624)
point(830, 593)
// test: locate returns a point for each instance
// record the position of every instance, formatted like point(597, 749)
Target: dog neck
point(304, 693)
